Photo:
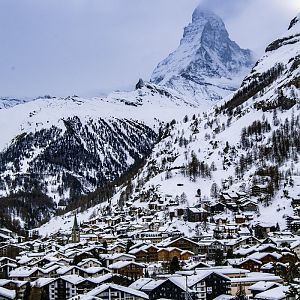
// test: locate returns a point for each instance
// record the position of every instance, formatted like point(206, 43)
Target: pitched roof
point(106, 286)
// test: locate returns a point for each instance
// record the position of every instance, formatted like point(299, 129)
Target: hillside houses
point(136, 262)
point(215, 245)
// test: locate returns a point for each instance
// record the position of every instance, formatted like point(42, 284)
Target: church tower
point(75, 235)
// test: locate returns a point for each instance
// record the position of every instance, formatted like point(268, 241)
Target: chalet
point(153, 236)
point(276, 293)
point(23, 274)
point(270, 248)
point(50, 271)
point(176, 211)
point(217, 208)
point(5, 269)
point(259, 189)
point(154, 225)
point(240, 219)
point(173, 288)
point(167, 254)
point(276, 268)
point(195, 214)
point(295, 247)
point(265, 257)
point(249, 206)
point(232, 206)
point(184, 244)
point(129, 269)
point(111, 278)
point(109, 259)
point(6, 294)
point(146, 253)
point(262, 230)
point(117, 248)
point(66, 287)
point(89, 263)
point(94, 271)
point(18, 286)
point(243, 241)
point(140, 254)
point(111, 221)
point(297, 211)
point(231, 229)
point(41, 288)
point(10, 250)
point(262, 286)
point(4, 238)
point(70, 270)
point(244, 231)
point(229, 196)
point(194, 265)
point(209, 284)
point(213, 247)
point(221, 221)
point(250, 280)
point(7, 260)
point(250, 264)
point(115, 291)
point(269, 241)
point(204, 245)
point(287, 257)
point(186, 255)
point(296, 201)
point(293, 223)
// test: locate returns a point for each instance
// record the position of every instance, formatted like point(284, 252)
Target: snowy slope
point(83, 141)
point(10, 102)
point(149, 104)
point(207, 65)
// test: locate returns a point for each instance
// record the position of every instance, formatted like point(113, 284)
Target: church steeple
point(75, 236)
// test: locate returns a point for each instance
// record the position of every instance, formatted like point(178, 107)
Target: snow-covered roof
point(138, 284)
point(122, 264)
point(40, 282)
point(97, 291)
point(277, 293)
point(73, 279)
point(22, 272)
point(9, 294)
point(202, 274)
point(261, 255)
point(262, 286)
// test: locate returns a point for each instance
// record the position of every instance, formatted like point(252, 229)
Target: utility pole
point(187, 294)
point(186, 289)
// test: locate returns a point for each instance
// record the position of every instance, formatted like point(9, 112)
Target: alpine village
point(185, 188)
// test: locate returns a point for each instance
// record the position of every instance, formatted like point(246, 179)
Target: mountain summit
point(207, 65)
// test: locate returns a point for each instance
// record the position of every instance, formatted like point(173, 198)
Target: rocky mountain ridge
point(207, 65)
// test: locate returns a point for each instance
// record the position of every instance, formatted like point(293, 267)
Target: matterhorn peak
point(207, 65)
point(201, 14)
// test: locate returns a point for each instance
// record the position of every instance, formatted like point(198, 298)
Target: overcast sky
point(85, 47)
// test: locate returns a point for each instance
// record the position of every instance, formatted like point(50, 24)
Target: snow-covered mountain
point(207, 65)
point(67, 147)
point(10, 102)
point(251, 138)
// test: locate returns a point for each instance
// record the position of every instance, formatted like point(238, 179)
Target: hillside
point(247, 147)
point(63, 148)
